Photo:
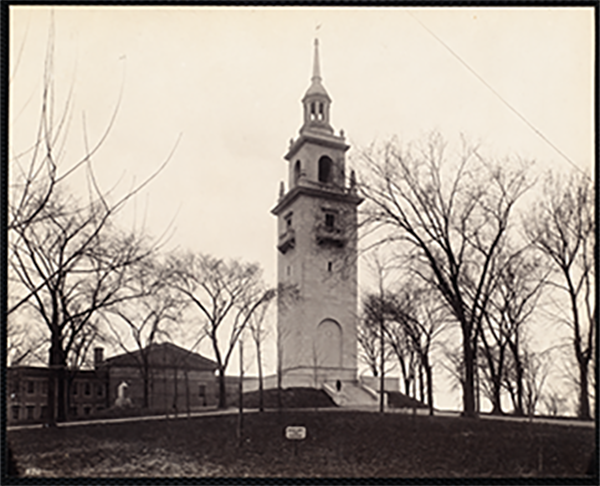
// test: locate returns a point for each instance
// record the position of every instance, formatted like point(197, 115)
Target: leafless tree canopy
point(452, 216)
point(227, 294)
point(563, 228)
point(67, 256)
point(146, 317)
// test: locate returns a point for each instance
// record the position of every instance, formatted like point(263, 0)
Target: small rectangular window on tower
point(288, 220)
point(329, 266)
point(329, 221)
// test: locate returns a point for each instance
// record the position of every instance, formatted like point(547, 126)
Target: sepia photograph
point(299, 244)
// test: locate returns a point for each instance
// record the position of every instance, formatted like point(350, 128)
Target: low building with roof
point(176, 380)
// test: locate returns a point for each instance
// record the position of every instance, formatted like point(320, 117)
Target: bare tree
point(520, 283)
point(227, 294)
point(422, 319)
point(402, 348)
point(24, 344)
point(454, 365)
point(259, 332)
point(368, 340)
point(536, 368)
point(377, 317)
point(452, 219)
point(563, 228)
point(143, 320)
point(72, 263)
point(66, 256)
point(554, 403)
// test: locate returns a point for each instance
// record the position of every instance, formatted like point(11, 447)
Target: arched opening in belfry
point(328, 344)
point(325, 169)
point(297, 171)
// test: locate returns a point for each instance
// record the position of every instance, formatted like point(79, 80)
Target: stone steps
point(352, 395)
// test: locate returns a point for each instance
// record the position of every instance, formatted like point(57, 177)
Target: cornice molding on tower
point(341, 195)
point(331, 141)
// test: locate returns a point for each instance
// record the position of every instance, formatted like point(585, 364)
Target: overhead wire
point(498, 95)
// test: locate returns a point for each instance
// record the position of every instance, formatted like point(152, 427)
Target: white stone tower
point(317, 251)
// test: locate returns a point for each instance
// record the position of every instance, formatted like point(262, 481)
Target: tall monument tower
point(317, 251)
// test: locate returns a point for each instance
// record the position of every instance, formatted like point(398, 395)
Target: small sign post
point(295, 433)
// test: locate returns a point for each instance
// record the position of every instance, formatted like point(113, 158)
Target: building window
point(288, 221)
point(31, 387)
point(325, 169)
point(75, 389)
point(297, 171)
point(30, 409)
point(15, 412)
point(44, 412)
point(88, 389)
point(100, 390)
point(202, 393)
point(329, 221)
point(87, 410)
point(44, 387)
point(329, 266)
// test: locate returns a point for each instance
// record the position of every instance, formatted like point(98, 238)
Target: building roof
point(163, 355)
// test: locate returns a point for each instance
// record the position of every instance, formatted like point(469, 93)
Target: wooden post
point(382, 372)
point(241, 394)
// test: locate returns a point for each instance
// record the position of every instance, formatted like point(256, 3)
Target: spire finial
point(316, 66)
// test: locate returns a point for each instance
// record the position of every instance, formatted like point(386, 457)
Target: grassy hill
point(315, 398)
point(338, 444)
point(290, 398)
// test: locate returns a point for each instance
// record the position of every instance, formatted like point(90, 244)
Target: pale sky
point(230, 80)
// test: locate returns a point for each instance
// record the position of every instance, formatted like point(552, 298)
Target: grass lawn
point(338, 444)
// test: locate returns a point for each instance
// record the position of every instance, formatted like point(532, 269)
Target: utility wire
point(498, 95)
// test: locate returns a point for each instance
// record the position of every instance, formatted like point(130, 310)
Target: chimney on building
point(98, 357)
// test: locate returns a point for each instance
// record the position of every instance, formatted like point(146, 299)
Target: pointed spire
point(316, 87)
point(316, 66)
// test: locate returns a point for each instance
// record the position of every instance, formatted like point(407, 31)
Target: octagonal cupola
point(316, 101)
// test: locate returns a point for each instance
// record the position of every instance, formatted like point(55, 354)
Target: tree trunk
point(519, 410)
point(56, 383)
point(496, 401)
point(519, 369)
point(421, 384)
point(187, 392)
point(468, 385)
point(61, 415)
point(222, 389)
point(584, 402)
point(240, 431)
point(279, 380)
point(261, 407)
point(382, 376)
point(429, 375)
point(175, 391)
point(146, 387)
